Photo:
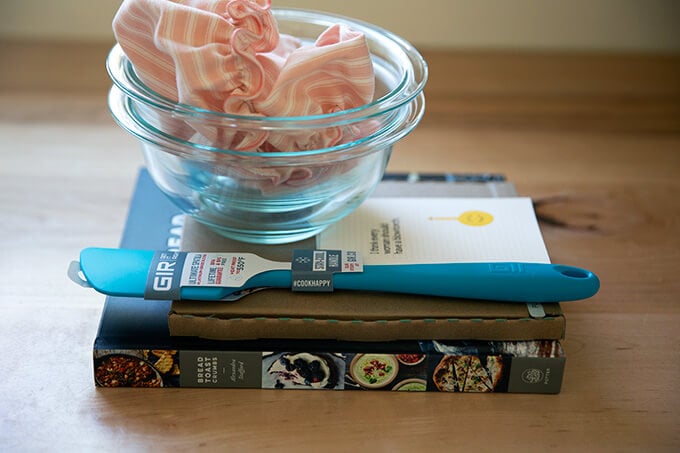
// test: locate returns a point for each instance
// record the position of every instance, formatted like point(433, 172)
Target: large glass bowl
point(282, 196)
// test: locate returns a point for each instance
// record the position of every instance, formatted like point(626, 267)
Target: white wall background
point(618, 25)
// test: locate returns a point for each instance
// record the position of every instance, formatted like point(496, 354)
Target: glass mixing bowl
point(281, 196)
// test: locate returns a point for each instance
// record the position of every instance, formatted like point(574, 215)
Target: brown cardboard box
point(353, 315)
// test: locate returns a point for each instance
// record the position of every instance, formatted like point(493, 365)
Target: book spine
point(481, 371)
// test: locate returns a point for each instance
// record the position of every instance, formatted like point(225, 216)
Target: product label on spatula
point(312, 270)
point(170, 271)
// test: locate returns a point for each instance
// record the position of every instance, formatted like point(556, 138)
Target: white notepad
point(440, 230)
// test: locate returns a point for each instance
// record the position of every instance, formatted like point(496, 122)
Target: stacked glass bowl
point(237, 193)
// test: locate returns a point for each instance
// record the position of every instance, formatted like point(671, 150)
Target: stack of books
point(344, 340)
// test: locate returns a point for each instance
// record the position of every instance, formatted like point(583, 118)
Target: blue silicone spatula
point(123, 272)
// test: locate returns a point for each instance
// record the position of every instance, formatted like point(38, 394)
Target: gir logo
point(470, 218)
point(164, 278)
point(164, 272)
point(532, 376)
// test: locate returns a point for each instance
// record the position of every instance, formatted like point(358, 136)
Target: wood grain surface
point(593, 139)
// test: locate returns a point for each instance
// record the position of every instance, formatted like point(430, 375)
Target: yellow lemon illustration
point(475, 218)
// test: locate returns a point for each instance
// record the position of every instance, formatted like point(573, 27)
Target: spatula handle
point(504, 281)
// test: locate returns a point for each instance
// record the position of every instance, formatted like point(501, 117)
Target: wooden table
point(594, 139)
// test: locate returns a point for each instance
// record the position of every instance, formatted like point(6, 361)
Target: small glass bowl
point(282, 196)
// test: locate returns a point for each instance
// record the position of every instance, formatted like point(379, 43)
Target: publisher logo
point(532, 376)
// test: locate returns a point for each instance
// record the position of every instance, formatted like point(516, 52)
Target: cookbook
point(135, 345)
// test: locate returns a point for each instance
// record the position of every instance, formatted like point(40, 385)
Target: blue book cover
point(134, 348)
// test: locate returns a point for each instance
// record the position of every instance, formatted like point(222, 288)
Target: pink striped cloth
point(228, 56)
